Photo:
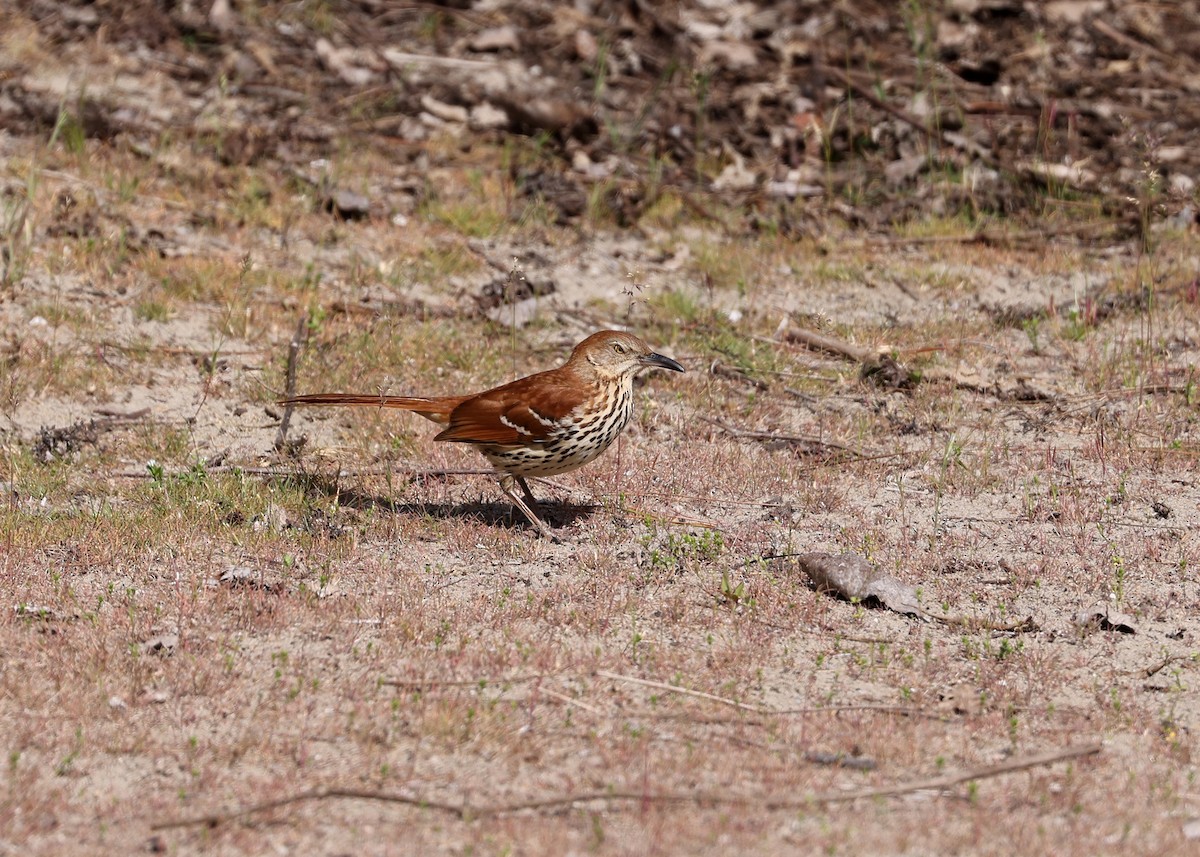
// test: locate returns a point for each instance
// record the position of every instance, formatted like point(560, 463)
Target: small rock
point(116, 703)
point(791, 189)
point(238, 574)
point(486, 117)
point(496, 39)
point(585, 46)
point(1191, 829)
point(735, 176)
point(221, 16)
point(898, 172)
point(1183, 219)
point(85, 15)
point(546, 114)
point(518, 315)
point(729, 55)
point(348, 205)
point(1181, 184)
point(273, 520)
point(787, 189)
point(1072, 11)
point(701, 31)
point(340, 61)
point(1075, 175)
point(952, 37)
point(977, 176)
point(442, 110)
point(38, 321)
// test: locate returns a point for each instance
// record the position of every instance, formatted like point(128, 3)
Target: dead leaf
point(1099, 616)
point(161, 644)
point(45, 614)
point(855, 579)
point(243, 575)
point(962, 698)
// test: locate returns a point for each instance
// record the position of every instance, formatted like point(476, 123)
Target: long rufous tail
point(434, 408)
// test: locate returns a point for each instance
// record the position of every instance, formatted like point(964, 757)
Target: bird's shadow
point(501, 514)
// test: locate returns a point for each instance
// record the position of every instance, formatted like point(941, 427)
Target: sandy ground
point(348, 646)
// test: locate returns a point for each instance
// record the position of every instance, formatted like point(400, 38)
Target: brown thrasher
point(540, 425)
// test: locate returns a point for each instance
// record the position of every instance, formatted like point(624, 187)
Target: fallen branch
point(882, 369)
point(829, 344)
point(215, 818)
point(467, 812)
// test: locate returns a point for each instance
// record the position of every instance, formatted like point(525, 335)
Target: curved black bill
point(661, 362)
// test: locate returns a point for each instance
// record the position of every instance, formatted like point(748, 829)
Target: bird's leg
point(529, 498)
point(507, 481)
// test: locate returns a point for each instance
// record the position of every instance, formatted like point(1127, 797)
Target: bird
point(543, 424)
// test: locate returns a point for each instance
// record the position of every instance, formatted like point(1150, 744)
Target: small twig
point(1131, 43)
point(487, 681)
point(880, 708)
point(974, 623)
point(1150, 672)
point(699, 694)
point(569, 701)
point(398, 60)
point(298, 340)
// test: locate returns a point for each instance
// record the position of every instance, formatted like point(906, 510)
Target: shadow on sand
point(555, 514)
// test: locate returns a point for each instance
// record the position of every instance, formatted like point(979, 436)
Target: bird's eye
point(619, 348)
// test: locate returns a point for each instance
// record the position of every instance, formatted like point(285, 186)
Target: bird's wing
point(528, 410)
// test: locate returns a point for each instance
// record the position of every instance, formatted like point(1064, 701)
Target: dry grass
point(194, 625)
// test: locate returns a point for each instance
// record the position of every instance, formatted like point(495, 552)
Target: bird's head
point(613, 354)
